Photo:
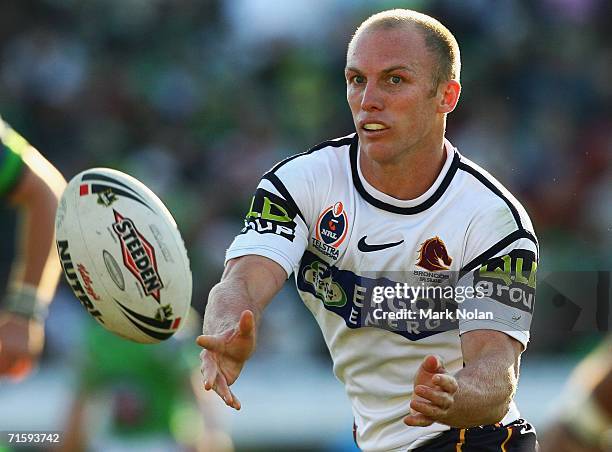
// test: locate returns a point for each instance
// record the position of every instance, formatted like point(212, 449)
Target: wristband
point(24, 302)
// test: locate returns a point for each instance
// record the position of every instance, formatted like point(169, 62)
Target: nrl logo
point(164, 313)
point(138, 256)
point(433, 255)
point(107, 197)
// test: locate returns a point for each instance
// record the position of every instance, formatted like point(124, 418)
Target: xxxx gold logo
point(433, 255)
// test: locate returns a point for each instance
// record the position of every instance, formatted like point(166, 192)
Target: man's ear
point(448, 93)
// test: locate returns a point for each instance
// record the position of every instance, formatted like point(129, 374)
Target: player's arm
point(231, 319)
point(37, 196)
point(478, 394)
point(266, 251)
point(35, 270)
point(501, 258)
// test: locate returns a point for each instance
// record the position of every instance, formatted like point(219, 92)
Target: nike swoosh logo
point(363, 246)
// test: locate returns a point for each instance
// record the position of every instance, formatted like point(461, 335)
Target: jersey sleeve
point(499, 274)
point(275, 225)
point(12, 147)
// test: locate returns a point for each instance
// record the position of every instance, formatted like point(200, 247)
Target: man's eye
point(395, 79)
point(359, 79)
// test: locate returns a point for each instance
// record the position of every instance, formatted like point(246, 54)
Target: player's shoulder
point(302, 179)
point(330, 154)
point(12, 146)
point(495, 201)
point(499, 222)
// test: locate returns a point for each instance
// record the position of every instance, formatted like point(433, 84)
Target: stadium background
point(199, 98)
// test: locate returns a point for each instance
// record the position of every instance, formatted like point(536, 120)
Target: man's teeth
point(374, 126)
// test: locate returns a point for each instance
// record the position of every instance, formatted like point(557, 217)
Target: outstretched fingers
point(223, 356)
point(214, 379)
point(208, 369)
point(221, 387)
point(236, 403)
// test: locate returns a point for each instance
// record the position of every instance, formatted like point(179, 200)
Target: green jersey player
point(32, 185)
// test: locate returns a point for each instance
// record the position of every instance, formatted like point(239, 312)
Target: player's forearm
point(248, 283)
point(226, 302)
point(486, 388)
point(38, 255)
point(37, 196)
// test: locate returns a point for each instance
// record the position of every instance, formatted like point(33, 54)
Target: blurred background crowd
point(198, 98)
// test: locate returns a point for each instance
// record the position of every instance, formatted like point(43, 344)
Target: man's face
point(389, 76)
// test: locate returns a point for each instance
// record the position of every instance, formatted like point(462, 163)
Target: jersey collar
point(411, 206)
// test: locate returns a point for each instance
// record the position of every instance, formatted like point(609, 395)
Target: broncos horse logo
point(433, 255)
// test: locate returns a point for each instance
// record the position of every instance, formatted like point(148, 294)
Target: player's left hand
point(434, 391)
point(21, 342)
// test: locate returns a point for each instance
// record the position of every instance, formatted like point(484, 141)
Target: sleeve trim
point(264, 251)
point(273, 178)
point(10, 172)
point(492, 251)
point(519, 335)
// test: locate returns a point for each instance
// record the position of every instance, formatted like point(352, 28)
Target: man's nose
point(372, 98)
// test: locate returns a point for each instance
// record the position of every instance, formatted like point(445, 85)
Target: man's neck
point(409, 177)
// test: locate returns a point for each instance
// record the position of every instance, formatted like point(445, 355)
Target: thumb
point(246, 324)
point(433, 364)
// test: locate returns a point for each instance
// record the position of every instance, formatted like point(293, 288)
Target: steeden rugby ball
point(123, 255)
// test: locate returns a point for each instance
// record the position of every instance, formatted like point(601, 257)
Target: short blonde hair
point(438, 39)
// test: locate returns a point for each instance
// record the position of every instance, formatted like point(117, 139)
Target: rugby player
point(394, 202)
point(31, 184)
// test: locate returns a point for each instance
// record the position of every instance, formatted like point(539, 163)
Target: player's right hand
point(21, 342)
point(433, 394)
point(224, 356)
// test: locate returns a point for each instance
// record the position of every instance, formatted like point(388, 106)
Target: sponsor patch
point(270, 214)
point(138, 256)
point(352, 297)
point(331, 229)
point(509, 279)
point(317, 275)
point(433, 255)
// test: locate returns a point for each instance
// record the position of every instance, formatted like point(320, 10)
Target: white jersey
point(316, 216)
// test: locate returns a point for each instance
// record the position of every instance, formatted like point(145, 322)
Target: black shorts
point(519, 436)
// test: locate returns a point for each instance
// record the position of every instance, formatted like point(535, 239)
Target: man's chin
point(382, 153)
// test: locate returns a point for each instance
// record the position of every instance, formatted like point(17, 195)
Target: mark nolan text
point(430, 314)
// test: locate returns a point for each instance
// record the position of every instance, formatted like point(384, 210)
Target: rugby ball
point(123, 255)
